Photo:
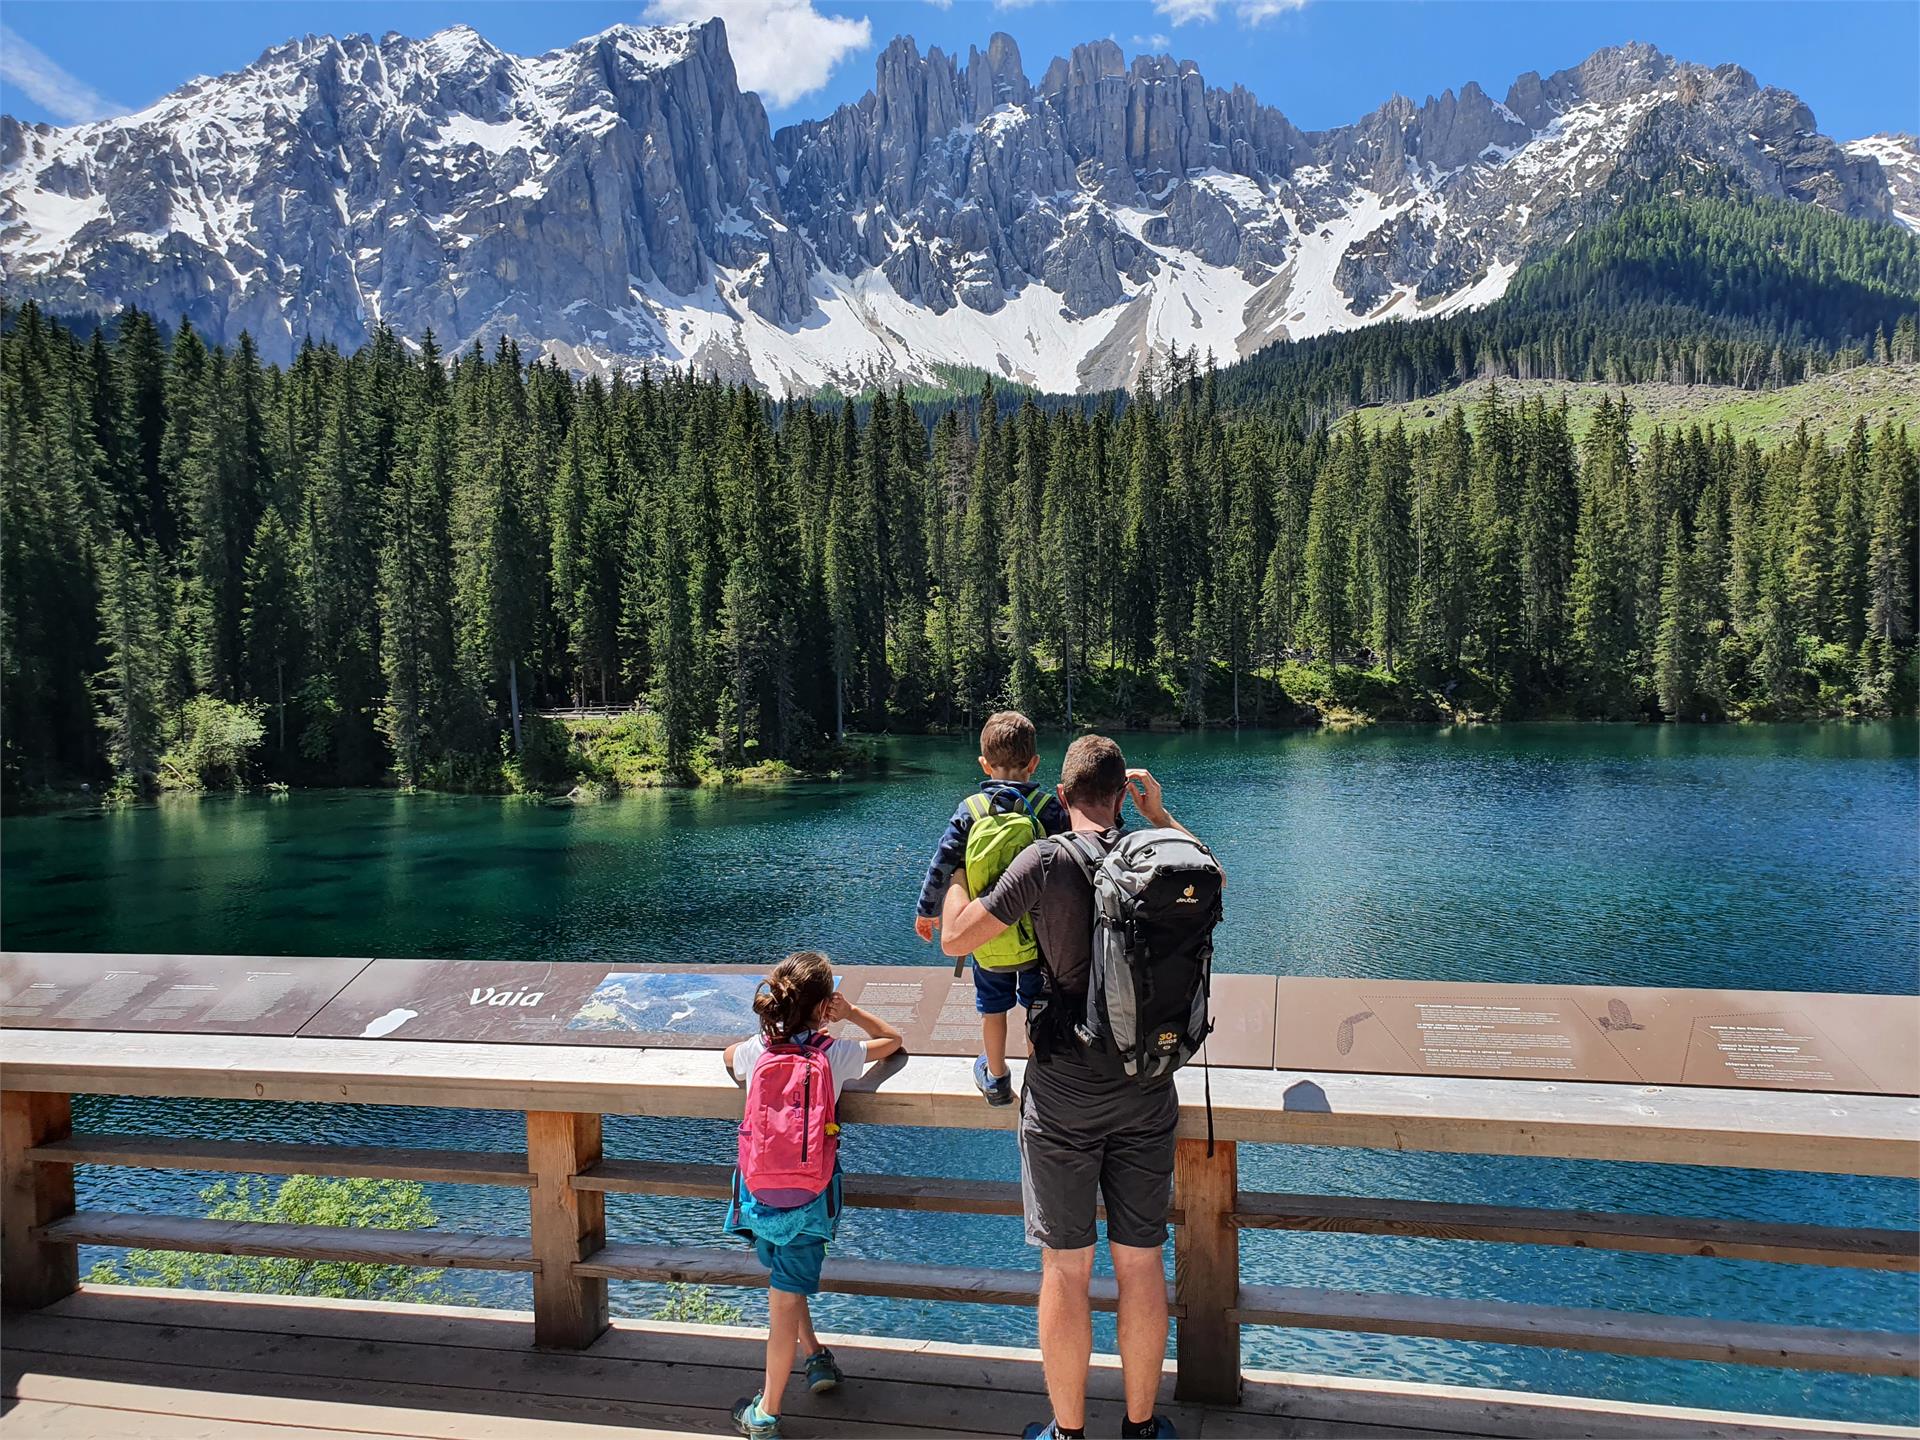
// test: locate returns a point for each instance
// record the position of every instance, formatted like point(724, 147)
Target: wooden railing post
point(568, 1225)
point(33, 1193)
point(1206, 1273)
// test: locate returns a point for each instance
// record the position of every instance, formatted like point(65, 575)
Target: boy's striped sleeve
point(948, 857)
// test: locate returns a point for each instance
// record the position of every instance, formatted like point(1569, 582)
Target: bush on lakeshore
point(355, 1203)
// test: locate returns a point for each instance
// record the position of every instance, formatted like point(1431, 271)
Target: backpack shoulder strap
point(1080, 852)
point(978, 805)
point(820, 1040)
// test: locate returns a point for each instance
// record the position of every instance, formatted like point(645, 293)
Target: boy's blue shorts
point(994, 990)
point(795, 1266)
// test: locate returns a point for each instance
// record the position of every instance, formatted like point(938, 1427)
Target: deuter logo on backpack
point(1156, 901)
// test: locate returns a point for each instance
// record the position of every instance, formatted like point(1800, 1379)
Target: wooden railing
point(565, 1092)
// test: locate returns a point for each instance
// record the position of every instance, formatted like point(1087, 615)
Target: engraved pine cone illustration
point(1343, 1037)
point(1619, 1017)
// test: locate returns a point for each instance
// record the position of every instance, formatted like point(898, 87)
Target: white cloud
point(941, 4)
point(783, 49)
point(1249, 12)
point(1258, 12)
point(1155, 43)
point(29, 70)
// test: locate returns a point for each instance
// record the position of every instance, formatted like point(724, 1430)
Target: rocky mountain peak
point(622, 201)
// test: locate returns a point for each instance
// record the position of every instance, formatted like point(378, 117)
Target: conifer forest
point(377, 568)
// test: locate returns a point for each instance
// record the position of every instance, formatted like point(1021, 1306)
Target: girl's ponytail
point(790, 998)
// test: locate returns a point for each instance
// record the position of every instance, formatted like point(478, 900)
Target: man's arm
point(1144, 791)
point(966, 925)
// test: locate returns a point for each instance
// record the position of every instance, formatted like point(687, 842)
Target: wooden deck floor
point(114, 1364)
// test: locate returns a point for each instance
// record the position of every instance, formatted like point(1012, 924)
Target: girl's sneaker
point(753, 1422)
point(822, 1374)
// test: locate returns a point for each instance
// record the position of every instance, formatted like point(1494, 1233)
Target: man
point(1087, 1132)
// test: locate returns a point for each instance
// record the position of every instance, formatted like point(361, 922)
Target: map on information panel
point(653, 1003)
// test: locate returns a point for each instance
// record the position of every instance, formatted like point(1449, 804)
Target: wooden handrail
point(1854, 1248)
point(565, 1090)
point(1755, 1129)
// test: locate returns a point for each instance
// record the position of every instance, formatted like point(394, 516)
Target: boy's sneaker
point(753, 1422)
point(1159, 1428)
point(997, 1088)
point(822, 1374)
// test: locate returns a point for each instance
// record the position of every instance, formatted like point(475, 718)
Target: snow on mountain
point(621, 201)
point(1899, 160)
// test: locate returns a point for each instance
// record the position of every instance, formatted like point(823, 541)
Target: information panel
point(1771, 1040)
point(1744, 1039)
point(218, 994)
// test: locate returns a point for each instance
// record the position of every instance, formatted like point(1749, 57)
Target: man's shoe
point(997, 1088)
point(753, 1422)
point(822, 1374)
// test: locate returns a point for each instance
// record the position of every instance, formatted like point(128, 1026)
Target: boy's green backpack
point(994, 839)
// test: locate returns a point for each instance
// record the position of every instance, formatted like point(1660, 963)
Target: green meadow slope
point(1827, 403)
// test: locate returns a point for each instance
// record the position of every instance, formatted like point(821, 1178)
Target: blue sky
point(1323, 62)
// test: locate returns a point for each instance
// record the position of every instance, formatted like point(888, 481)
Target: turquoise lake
point(1749, 858)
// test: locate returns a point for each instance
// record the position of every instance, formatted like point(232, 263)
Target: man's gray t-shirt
point(1043, 880)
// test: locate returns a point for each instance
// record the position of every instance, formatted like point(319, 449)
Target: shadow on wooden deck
point(109, 1363)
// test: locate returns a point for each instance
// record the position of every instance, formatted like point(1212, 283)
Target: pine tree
point(272, 619)
point(1388, 542)
point(416, 585)
point(1324, 624)
point(1676, 657)
point(1889, 578)
point(675, 672)
point(131, 686)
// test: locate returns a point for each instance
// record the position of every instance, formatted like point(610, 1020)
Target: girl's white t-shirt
point(846, 1057)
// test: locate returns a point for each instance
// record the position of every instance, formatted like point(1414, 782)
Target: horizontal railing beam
point(1868, 1249)
point(1615, 1332)
point(936, 1193)
point(1846, 1134)
point(373, 1162)
point(964, 1284)
point(427, 1249)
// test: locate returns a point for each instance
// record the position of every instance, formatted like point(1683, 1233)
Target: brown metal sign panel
point(215, 994)
point(1740, 1039)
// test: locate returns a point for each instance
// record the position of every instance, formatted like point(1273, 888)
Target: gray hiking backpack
point(1156, 899)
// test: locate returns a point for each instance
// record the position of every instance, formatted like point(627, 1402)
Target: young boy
point(1009, 756)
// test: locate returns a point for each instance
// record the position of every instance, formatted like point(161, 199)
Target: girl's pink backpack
point(788, 1138)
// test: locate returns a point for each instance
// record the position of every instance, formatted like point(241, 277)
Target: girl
point(795, 1005)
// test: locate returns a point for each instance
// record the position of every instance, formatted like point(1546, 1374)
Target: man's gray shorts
point(1088, 1138)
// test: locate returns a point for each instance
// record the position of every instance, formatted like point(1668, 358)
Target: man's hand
point(1145, 792)
point(923, 926)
